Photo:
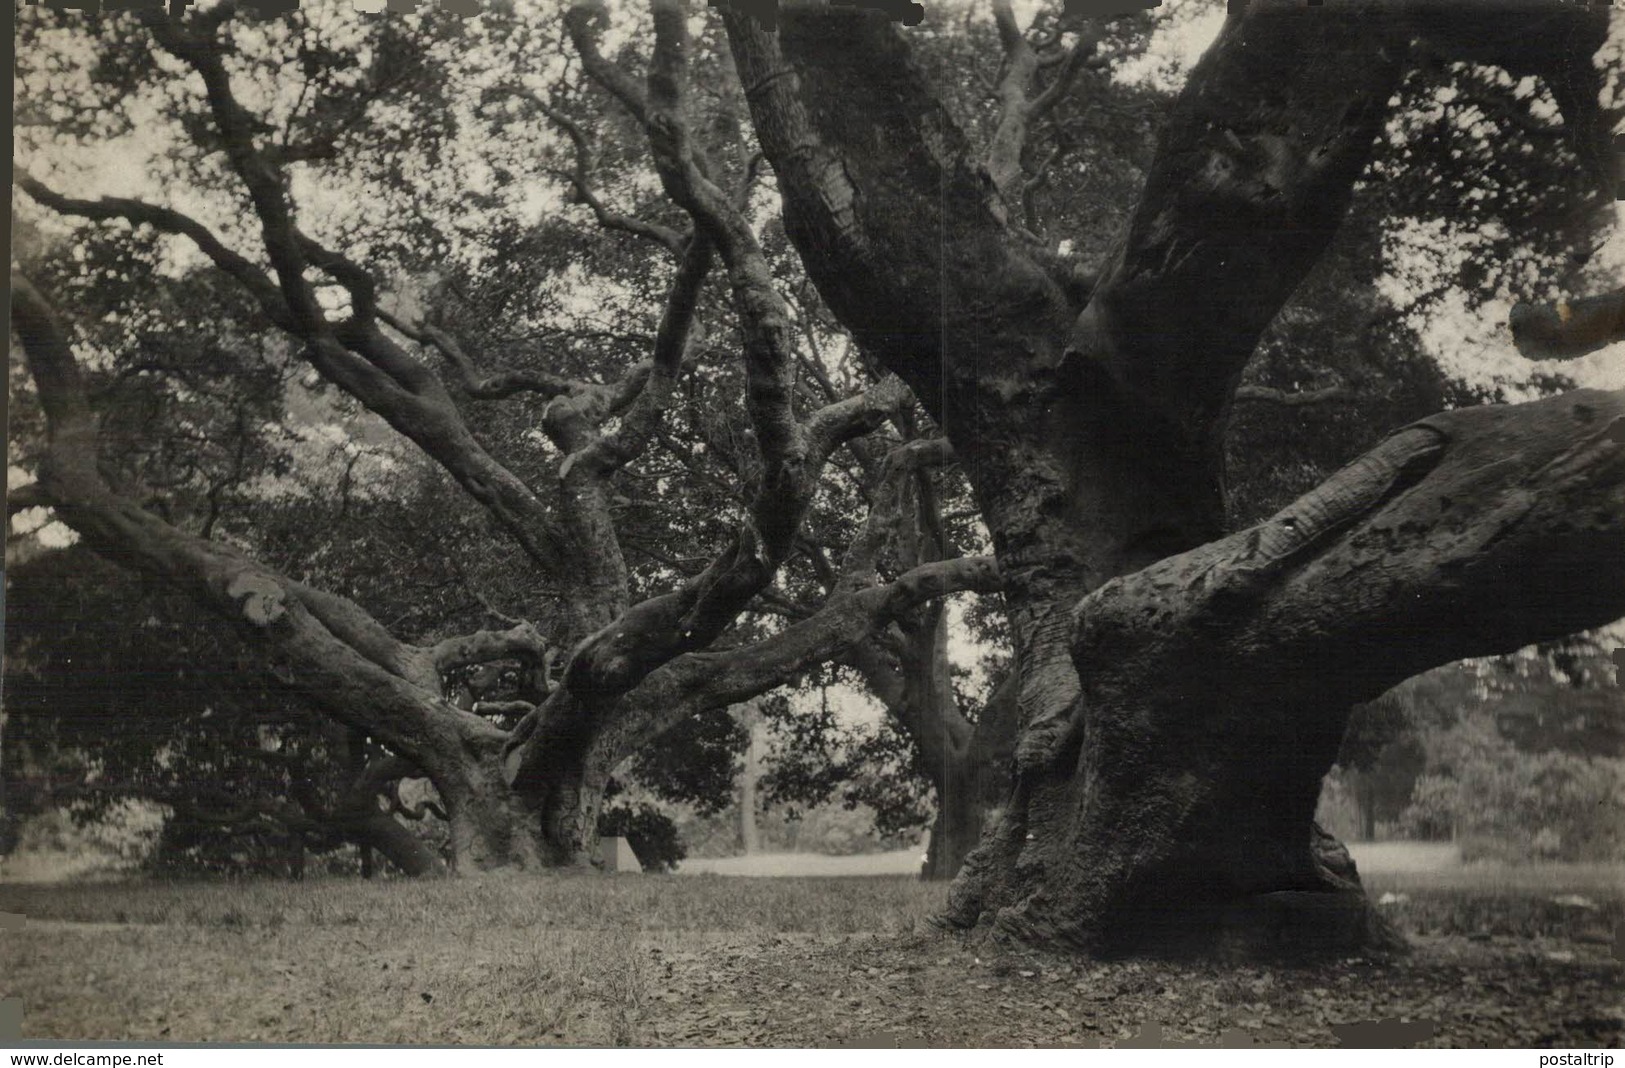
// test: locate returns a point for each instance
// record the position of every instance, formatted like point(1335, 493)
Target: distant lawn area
point(1372, 858)
point(1501, 957)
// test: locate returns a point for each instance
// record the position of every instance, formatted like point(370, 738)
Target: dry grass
point(1572, 902)
point(628, 960)
point(896, 862)
point(584, 900)
point(1603, 880)
point(494, 960)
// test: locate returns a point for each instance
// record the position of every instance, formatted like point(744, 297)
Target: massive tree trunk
point(1219, 681)
point(490, 827)
point(1177, 717)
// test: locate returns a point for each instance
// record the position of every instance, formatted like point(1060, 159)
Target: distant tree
point(1522, 754)
point(1564, 695)
point(1499, 801)
point(1381, 757)
point(112, 696)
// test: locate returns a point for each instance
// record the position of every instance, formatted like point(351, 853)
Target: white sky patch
point(47, 531)
point(1185, 30)
point(589, 298)
point(853, 707)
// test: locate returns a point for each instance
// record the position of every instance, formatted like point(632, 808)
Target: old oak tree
point(1179, 693)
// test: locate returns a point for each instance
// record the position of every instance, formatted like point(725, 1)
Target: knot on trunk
point(260, 598)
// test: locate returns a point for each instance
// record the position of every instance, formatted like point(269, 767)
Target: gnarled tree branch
point(580, 174)
point(523, 642)
point(356, 355)
point(707, 680)
point(1569, 328)
point(887, 511)
point(1291, 398)
point(326, 646)
point(1484, 529)
point(169, 221)
point(499, 385)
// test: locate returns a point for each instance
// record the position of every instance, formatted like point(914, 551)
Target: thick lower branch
point(705, 680)
point(1569, 328)
point(1474, 532)
point(322, 644)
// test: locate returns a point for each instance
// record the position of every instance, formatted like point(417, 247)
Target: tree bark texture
point(1169, 798)
point(966, 763)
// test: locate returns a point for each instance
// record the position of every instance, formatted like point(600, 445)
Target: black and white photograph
point(785, 524)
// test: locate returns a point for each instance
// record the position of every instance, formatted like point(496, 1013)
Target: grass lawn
point(1372, 857)
point(587, 959)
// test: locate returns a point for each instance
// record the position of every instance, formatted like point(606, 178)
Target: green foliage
point(1475, 154)
point(1522, 755)
point(115, 695)
point(1504, 803)
point(189, 849)
point(831, 828)
point(815, 759)
point(1564, 695)
point(105, 673)
point(1518, 757)
point(651, 833)
point(695, 763)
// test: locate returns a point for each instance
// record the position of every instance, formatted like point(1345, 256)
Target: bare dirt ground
point(959, 991)
point(584, 960)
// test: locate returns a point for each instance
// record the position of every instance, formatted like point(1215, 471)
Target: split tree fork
point(1180, 695)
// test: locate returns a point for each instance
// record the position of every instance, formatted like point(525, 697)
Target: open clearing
point(1502, 957)
point(1373, 858)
